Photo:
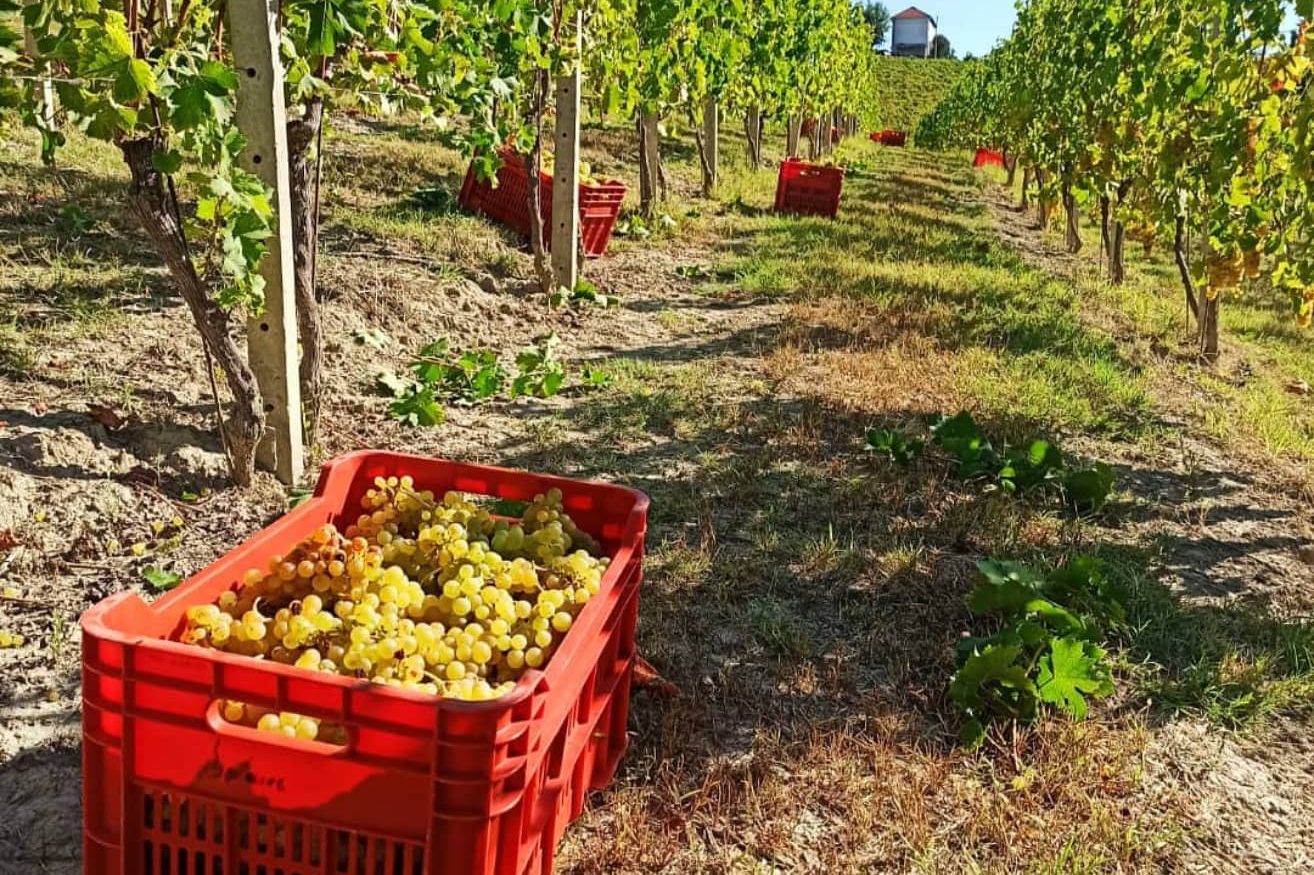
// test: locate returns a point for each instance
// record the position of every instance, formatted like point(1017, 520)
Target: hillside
point(909, 88)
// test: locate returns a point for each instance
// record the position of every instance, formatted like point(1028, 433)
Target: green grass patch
point(913, 244)
point(1252, 398)
point(649, 398)
point(1237, 665)
point(909, 88)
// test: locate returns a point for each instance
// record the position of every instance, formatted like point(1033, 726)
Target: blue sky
point(971, 25)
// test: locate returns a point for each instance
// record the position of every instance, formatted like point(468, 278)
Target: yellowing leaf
point(116, 34)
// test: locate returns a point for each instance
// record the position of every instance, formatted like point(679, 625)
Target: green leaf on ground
point(160, 580)
point(993, 681)
point(418, 408)
point(962, 438)
point(1005, 586)
point(1031, 467)
point(1088, 490)
point(1070, 672)
point(894, 445)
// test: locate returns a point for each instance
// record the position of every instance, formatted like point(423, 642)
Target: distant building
point(912, 34)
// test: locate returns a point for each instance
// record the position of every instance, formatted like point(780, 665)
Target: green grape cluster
point(431, 594)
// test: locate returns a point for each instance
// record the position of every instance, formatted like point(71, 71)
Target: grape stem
point(420, 499)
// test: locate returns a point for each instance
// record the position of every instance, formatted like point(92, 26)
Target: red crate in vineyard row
point(508, 203)
point(988, 158)
point(808, 189)
point(889, 138)
point(422, 785)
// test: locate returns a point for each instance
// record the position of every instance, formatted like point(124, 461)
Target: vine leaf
point(963, 439)
point(161, 580)
point(1069, 673)
point(992, 680)
point(169, 162)
point(134, 82)
point(418, 408)
point(1088, 490)
point(321, 40)
point(1004, 586)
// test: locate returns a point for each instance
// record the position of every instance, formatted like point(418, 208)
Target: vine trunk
point(154, 208)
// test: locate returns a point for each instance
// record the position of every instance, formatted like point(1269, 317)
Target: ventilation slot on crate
point(355, 854)
point(185, 836)
point(180, 836)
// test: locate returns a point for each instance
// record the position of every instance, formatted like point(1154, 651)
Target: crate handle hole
point(329, 737)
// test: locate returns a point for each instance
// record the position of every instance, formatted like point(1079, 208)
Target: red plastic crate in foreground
point(508, 203)
point(424, 786)
point(988, 158)
point(808, 189)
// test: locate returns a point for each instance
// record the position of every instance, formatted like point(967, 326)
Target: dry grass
point(806, 600)
point(870, 795)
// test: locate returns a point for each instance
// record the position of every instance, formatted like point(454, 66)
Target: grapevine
point(1188, 123)
point(159, 82)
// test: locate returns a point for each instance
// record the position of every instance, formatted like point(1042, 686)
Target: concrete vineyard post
point(47, 87)
point(565, 172)
point(711, 139)
point(651, 161)
point(271, 335)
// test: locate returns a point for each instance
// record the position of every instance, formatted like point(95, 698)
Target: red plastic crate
point(890, 138)
point(599, 208)
point(808, 189)
point(423, 786)
point(988, 158)
point(508, 203)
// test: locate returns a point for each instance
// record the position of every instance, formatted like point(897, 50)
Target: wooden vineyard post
point(565, 172)
point(711, 140)
point(272, 335)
